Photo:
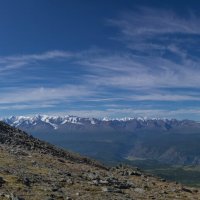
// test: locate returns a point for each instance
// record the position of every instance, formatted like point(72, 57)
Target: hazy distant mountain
point(78, 123)
point(112, 140)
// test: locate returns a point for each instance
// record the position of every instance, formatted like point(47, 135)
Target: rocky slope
point(34, 170)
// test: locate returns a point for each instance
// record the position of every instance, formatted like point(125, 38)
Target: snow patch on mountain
point(57, 122)
point(53, 121)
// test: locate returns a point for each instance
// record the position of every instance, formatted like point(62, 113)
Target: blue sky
point(114, 58)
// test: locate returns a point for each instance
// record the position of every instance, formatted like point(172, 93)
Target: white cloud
point(9, 63)
point(154, 34)
point(139, 71)
point(146, 22)
point(131, 112)
point(28, 95)
point(25, 106)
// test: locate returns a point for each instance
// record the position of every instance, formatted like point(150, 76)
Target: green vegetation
point(187, 175)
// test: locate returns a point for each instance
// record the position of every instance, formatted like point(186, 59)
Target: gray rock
point(139, 190)
point(186, 190)
point(110, 189)
point(14, 197)
point(26, 181)
point(2, 181)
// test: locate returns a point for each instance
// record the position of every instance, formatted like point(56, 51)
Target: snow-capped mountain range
point(53, 121)
point(56, 122)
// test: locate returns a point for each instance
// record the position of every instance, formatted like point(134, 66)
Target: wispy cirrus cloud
point(148, 21)
point(9, 63)
point(158, 62)
point(131, 71)
point(148, 28)
point(42, 94)
point(26, 106)
point(160, 49)
point(131, 112)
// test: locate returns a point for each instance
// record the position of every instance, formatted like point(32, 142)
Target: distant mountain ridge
point(56, 122)
point(168, 141)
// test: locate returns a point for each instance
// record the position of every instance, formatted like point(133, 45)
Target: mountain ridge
point(56, 121)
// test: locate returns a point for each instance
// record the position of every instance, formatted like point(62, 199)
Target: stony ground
point(35, 176)
point(34, 170)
